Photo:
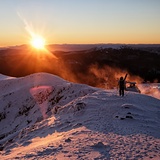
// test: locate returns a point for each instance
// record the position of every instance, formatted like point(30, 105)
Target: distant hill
point(98, 66)
point(79, 47)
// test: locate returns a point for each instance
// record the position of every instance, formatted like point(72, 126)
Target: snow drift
point(45, 117)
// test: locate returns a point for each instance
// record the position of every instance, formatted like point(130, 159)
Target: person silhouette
point(121, 84)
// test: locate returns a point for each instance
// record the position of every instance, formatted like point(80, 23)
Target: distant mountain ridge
point(76, 47)
point(87, 65)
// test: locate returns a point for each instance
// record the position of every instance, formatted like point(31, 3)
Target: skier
point(121, 85)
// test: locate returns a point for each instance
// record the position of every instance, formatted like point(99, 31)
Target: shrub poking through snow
point(2, 116)
point(79, 106)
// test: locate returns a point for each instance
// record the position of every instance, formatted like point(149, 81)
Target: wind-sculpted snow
point(45, 117)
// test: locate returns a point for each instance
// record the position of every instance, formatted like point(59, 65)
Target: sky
point(80, 21)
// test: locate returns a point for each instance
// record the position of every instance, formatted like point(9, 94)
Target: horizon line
point(18, 45)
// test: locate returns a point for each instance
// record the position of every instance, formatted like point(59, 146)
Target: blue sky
point(80, 21)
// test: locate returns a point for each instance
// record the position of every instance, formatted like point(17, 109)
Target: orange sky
point(71, 21)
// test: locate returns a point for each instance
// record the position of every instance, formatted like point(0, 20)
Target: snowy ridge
point(45, 117)
point(3, 77)
point(26, 96)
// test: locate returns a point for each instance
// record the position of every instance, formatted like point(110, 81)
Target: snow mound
point(4, 77)
point(43, 116)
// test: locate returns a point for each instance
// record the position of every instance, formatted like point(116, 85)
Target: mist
point(150, 89)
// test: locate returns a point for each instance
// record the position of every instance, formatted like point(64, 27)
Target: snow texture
point(45, 117)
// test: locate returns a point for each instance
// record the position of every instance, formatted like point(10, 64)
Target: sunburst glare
point(38, 42)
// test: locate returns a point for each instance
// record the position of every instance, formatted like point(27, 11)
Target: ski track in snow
point(59, 120)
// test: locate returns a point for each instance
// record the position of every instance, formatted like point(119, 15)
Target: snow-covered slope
point(45, 117)
point(3, 77)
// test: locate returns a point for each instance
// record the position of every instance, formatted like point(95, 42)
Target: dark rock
point(68, 140)
point(130, 117)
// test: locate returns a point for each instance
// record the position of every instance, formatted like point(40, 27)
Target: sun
point(38, 42)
